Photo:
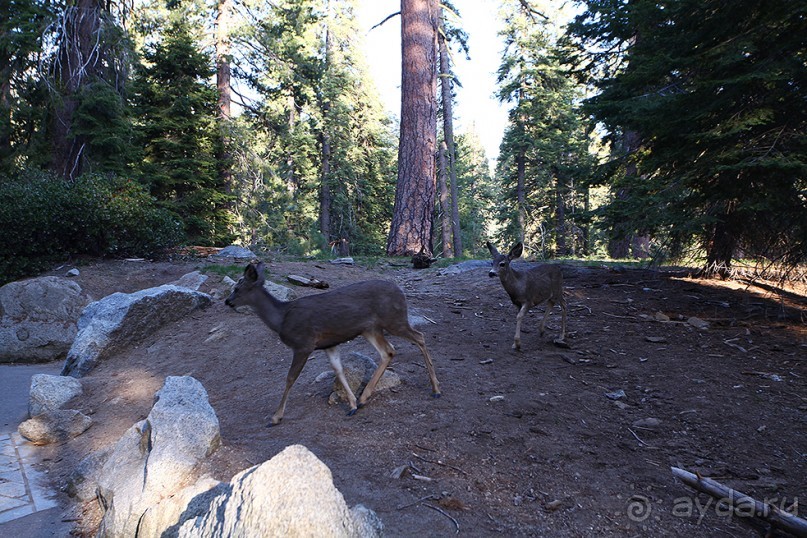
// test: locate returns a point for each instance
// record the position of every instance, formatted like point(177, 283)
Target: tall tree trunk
point(521, 194)
point(446, 86)
point(445, 213)
point(78, 62)
point(411, 228)
point(325, 192)
point(722, 244)
point(560, 217)
point(224, 160)
point(622, 237)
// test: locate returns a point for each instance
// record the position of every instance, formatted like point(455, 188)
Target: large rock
point(54, 426)
point(166, 517)
point(38, 318)
point(124, 319)
point(290, 495)
point(50, 392)
point(157, 456)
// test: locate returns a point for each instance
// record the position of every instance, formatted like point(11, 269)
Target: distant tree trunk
point(446, 85)
point(325, 172)
point(78, 62)
point(621, 237)
point(521, 195)
point(411, 228)
point(445, 213)
point(721, 245)
point(560, 217)
point(224, 160)
point(325, 192)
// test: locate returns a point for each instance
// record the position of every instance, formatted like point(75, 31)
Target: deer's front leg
point(519, 317)
point(297, 363)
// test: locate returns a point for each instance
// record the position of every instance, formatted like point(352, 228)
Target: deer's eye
point(502, 264)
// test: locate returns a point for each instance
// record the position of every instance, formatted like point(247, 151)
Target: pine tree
point(716, 93)
point(177, 106)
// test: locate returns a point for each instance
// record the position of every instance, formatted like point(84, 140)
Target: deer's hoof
point(352, 412)
point(436, 394)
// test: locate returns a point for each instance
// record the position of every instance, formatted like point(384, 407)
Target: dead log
point(742, 504)
point(305, 281)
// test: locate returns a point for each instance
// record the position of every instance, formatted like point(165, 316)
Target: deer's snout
point(492, 273)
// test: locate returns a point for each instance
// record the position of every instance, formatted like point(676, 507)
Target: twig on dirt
point(620, 317)
point(424, 448)
point(426, 498)
point(730, 343)
point(478, 315)
point(637, 437)
point(438, 462)
point(580, 380)
point(456, 525)
point(429, 320)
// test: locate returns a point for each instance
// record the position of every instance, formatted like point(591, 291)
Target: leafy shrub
point(45, 218)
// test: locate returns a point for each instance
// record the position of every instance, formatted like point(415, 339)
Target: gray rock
point(124, 319)
point(83, 480)
point(38, 318)
point(73, 272)
point(157, 456)
point(51, 392)
point(649, 423)
point(234, 251)
point(54, 426)
point(290, 495)
point(166, 517)
point(192, 280)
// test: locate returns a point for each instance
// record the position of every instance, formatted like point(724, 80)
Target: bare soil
point(527, 443)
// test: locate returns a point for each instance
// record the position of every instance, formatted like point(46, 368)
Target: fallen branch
point(456, 525)
point(742, 504)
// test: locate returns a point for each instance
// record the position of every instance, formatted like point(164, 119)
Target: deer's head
point(501, 262)
point(253, 279)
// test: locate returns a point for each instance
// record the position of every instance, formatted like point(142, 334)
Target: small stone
point(698, 323)
point(650, 423)
point(616, 395)
point(497, 399)
point(73, 272)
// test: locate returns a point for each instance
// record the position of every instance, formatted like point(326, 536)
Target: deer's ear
point(516, 251)
point(492, 249)
point(251, 273)
point(259, 270)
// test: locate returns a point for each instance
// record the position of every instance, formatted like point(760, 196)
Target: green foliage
point(176, 105)
point(545, 148)
point(45, 218)
point(715, 92)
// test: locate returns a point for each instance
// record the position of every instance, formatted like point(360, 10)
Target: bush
point(45, 218)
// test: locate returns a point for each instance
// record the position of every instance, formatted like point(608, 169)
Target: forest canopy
point(668, 131)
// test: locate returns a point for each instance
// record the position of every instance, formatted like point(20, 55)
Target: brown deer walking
point(325, 320)
point(529, 288)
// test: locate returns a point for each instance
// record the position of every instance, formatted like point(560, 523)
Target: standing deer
point(529, 288)
point(325, 320)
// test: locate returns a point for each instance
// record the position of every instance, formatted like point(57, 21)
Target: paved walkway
point(28, 507)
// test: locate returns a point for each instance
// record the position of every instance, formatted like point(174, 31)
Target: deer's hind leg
point(336, 364)
point(386, 352)
point(297, 363)
point(417, 337)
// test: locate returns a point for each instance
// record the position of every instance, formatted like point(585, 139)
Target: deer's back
point(536, 285)
point(327, 319)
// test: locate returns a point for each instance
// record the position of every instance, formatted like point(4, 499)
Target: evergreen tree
point(177, 106)
point(544, 150)
point(716, 94)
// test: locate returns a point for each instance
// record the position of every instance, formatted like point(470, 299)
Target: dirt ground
point(536, 443)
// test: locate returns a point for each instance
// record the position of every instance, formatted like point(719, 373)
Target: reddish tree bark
point(411, 228)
